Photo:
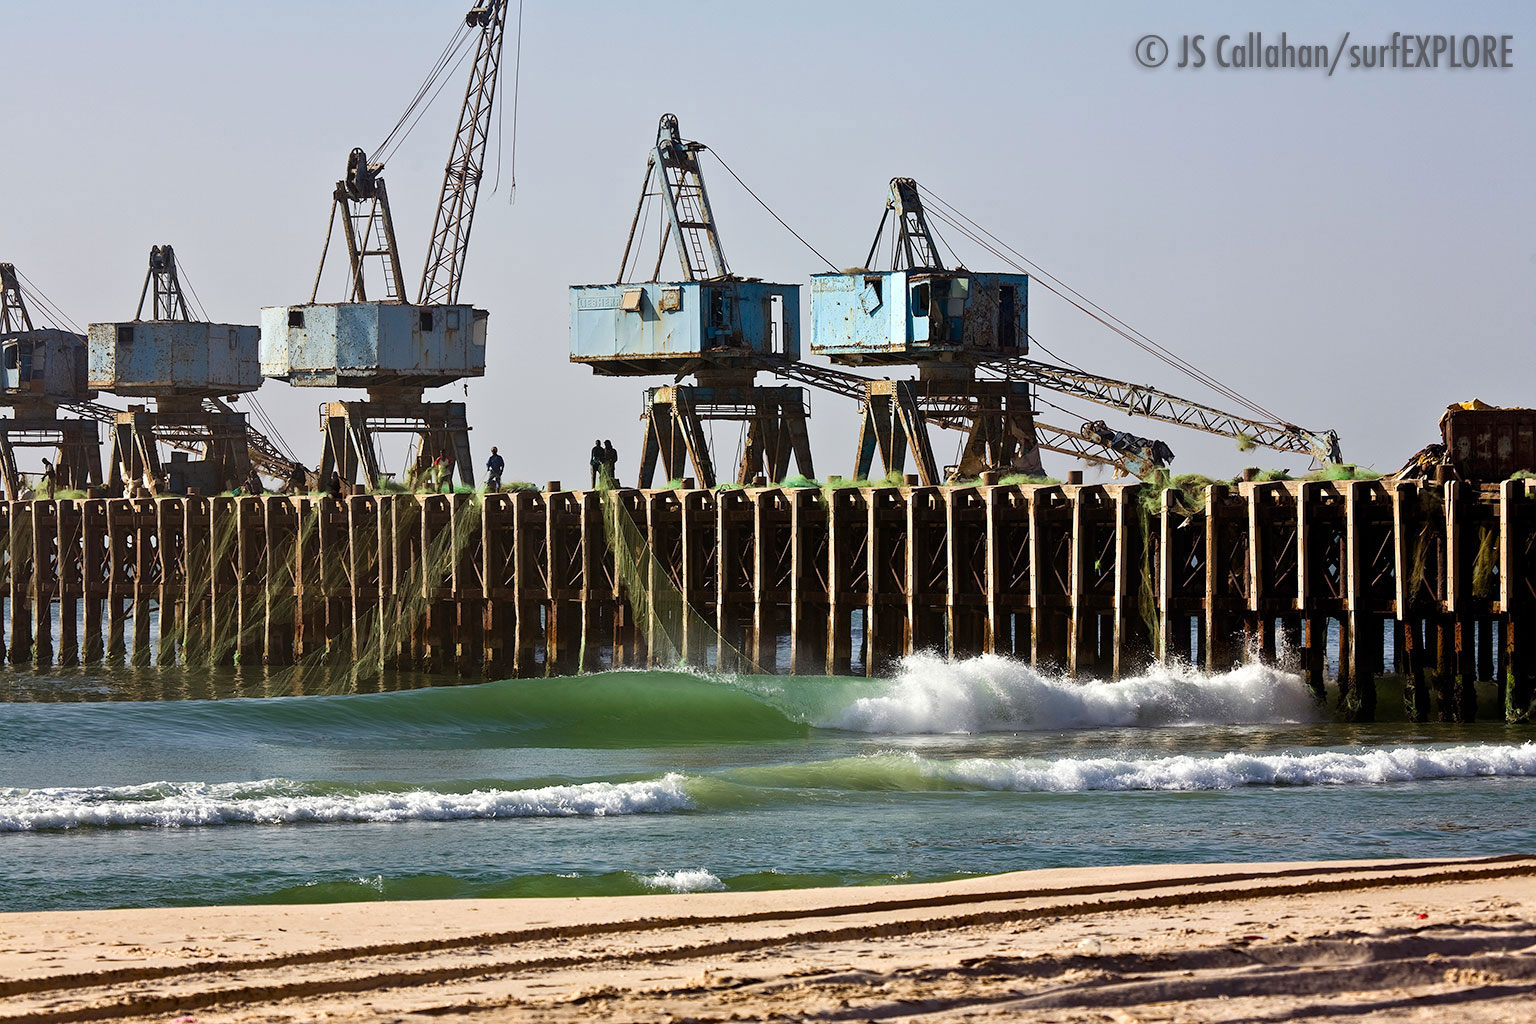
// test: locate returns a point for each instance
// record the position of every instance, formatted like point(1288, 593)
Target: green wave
point(606, 710)
point(626, 709)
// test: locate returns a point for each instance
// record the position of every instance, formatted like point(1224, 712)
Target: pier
point(1432, 582)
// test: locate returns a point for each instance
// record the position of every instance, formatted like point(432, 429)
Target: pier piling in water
point(1089, 579)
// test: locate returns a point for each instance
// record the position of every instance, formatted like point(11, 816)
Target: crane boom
point(1152, 403)
point(444, 270)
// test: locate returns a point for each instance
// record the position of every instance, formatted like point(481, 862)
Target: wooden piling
point(44, 534)
point(797, 580)
point(69, 546)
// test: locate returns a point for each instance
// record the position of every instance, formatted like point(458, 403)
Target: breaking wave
point(928, 694)
point(996, 694)
point(280, 801)
point(1377, 766)
point(1230, 771)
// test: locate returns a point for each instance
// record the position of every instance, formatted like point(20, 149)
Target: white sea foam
point(1230, 771)
point(685, 880)
point(275, 801)
point(996, 694)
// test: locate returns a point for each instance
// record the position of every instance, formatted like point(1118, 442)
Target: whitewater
point(637, 781)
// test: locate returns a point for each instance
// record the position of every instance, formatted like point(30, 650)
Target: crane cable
point(424, 108)
point(517, 74)
point(55, 316)
point(455, 43)
point(182, 275)
point(645, 223)
point(954, 217)
point(268, 425)
point(1061, 359)
point(1188, 369)
point(775, 216)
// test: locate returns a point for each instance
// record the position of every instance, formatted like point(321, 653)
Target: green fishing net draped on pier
point(334, 646)
point(674, 631)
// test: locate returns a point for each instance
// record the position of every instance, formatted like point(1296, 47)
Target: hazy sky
point(1354, 251)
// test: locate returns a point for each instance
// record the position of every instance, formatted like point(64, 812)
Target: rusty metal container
point(174, 358)
point(664, 326)
point(1489, 444)
point(43, 364)
point(372, 344)
point(907, 316)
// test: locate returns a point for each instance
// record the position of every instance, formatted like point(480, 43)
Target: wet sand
point(1399, 940)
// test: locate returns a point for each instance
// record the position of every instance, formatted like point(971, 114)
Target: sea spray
point(994, 694)
point(684, 880)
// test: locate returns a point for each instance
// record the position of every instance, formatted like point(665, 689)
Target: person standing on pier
point(611, 463)
point(435, 475)
point(596, 462)
point(493, 468)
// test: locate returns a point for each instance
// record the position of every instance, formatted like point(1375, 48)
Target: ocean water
point(174, 788)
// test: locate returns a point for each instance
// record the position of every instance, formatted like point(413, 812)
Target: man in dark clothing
point(595, 463)
point(298, 479)
point(333, 486)
point(611, 463)
point(493, 467)
point(253, 483)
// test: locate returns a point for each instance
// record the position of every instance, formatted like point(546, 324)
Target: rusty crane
point(43, 371)
point(394, 348)
point(967, 334)
point(713, 325)
point(189, 369)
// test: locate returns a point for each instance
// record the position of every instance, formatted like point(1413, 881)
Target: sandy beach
point(1337, 941)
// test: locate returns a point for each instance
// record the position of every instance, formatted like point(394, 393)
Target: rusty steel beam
point(954, 413)
point(265, 456)
point(444, 270)
point(1140, 400)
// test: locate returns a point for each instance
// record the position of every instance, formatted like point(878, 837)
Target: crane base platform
point(76, 445)
point(675, 435)
point(998, 418)
point(138, 434)
point(350, 428)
